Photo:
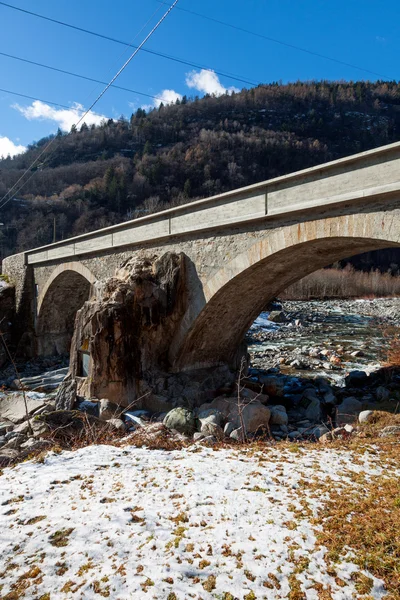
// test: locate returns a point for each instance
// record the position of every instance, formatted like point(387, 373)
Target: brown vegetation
point(343, 283)
point(195, 148)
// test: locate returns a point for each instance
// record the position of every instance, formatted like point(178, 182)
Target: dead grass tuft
point(366, 520)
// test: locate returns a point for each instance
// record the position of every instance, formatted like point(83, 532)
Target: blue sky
point(361, 32)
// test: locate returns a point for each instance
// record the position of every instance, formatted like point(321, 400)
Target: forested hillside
point(198, 147)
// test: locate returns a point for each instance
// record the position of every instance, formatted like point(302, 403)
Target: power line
point(72, 74)
point(277, 41)
point(117, 41)
point(4, 200)
point(35, 99)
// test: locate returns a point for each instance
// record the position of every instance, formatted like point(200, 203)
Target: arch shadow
point(67, 289)
point(239, 292)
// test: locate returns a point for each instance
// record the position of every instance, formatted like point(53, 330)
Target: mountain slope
point(102, 175)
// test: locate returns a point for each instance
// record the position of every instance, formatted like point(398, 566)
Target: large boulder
point(222, 404)
point(356, 379)
point(254, 416)
point(310, 405)
point(348, 411)
point(13, 408)
point(278, 415)
point(277, 316)
point(182, 420)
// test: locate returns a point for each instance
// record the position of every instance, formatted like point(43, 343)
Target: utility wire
point(117, 41)
point(277, 41)
point(35, 99)
point(4, 200)
point(72, 74)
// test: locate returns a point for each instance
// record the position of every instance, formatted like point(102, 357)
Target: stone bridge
point(242, 247)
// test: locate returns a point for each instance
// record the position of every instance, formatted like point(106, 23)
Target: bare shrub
point(343, 283)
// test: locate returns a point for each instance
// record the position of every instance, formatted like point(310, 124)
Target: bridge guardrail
point(361, 176)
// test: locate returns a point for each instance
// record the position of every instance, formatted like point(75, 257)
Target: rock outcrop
point(122, 337)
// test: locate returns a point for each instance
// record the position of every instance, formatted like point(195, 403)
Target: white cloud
point(207, 82)
point(64, 117)
point(7, 147)
point(166, 97)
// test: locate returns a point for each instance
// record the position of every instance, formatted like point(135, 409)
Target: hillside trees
point(104, 174)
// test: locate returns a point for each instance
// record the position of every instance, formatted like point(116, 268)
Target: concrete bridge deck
point(358, 178)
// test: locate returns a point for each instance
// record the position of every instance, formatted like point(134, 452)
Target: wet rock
point(356, 379)
point(277, 316)
point(182, 420)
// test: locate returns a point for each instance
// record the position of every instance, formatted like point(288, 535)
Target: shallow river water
point(325, 338)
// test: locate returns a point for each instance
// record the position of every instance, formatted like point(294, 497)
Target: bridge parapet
point(361, 177)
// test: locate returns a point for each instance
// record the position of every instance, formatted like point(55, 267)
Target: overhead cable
point(72, 74)
point(4, 200)
point(117, 41)
point(277, 41)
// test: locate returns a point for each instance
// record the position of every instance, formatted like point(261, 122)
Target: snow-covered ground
point(129, 523)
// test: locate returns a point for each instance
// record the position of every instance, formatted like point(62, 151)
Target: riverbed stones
point(182, 420)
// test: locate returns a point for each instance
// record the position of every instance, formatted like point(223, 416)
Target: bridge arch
point(63, 294)
point(240, 290)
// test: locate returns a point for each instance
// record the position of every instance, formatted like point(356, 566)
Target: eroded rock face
point(122, 338)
